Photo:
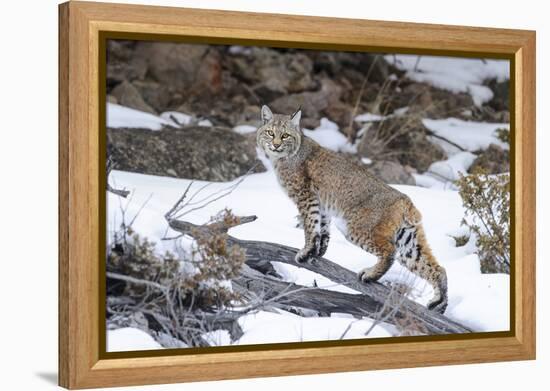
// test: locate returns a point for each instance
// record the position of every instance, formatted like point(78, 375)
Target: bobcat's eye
point(285, 135)
point(270, 133)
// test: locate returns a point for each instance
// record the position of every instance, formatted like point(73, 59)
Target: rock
point(194, 152)
point(179, 73)
point(311, 103)
point(400, 139)
point(486, 113)
point(173, 64)
point(272, 73)
point(391, 172)
point(502, 116)
point(493, 160)
point(121, 63)
point(158, 96)
point(127, 95)
point(354, 66)
point(341, 113)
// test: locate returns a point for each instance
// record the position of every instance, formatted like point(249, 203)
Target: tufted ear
point(295, 118)
point(267, 115)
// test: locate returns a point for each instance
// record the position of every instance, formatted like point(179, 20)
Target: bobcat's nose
point(276, 144)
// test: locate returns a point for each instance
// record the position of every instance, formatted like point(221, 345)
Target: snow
point(454, 74)
point(369, 117)
point(205, 122)
point(237, 49)
point(125, 117)
point(470, 135)
point(129, 338)
point(328, 136)
point(449, 169)
point(217, 338)
point(245, 129)
point(183, 119)
point(177, 117)
point(269, 327)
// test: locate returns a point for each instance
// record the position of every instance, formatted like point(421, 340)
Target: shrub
point(183, 297)
point(503, 135)
point(216, 262)
point(487, 202)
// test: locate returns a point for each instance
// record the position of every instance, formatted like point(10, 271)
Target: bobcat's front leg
point(308, 205)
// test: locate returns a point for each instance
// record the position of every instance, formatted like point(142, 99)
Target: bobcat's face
point(280, 135)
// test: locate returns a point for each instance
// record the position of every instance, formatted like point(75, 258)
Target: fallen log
point(373, 295)
point(278, 293)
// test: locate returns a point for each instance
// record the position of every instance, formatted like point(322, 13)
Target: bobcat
point(371, 214)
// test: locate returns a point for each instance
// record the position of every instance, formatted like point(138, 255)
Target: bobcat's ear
point(267, 115)
point(295, 118)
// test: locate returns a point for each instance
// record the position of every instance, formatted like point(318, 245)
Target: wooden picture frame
point(83, 26)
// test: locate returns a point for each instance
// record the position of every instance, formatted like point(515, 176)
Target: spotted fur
point(370, 214)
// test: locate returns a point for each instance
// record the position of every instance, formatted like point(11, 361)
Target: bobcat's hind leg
point(374, 273)
point(376, 245)
point(325, 234)
point(414, 253)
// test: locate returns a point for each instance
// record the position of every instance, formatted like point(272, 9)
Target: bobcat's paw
point(367, 275)
point(305, 255)
point(323, 245)
point(438, 304)
point(308, 254)
point(440, 300)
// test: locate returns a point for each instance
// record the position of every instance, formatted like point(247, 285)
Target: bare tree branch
point(122, 193)
point(259, 255)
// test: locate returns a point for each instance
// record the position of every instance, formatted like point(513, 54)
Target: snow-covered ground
point(130, 338)
point(480, 301)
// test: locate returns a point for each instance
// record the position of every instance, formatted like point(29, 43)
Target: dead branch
point(217, 227)
point(259, 256)
point(118, 192)
point(122, 193)
point(282, 294)
point(435, 135)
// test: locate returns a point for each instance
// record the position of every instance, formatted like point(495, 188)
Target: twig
point(139, 210)
point(180, 205)
point(417, 63)
point(138, 281)
point(122, 193)
point(435, 135)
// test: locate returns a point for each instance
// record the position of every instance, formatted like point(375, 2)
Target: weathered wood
point(285, 294)
point(259, 256)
